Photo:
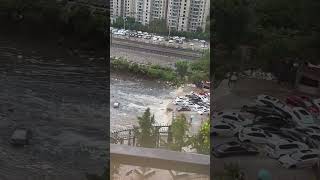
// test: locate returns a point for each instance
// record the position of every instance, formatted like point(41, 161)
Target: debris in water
point(116, 105)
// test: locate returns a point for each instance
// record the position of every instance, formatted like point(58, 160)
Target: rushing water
point(135, 96)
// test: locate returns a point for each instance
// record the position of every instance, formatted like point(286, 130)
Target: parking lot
point(168, 41)
point(233, 99)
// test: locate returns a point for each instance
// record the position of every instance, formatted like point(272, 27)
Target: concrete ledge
point(160, 159)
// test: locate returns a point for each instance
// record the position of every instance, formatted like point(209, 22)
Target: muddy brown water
point(65, 104)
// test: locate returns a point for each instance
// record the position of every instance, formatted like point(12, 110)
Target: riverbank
point(135, 95)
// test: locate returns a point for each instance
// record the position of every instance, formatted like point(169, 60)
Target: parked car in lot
point(316, 138)
point(265, 110)
point(301, 116)
point(299, 159)
point(297, 135)
point(304, 102)
point(234, 117)
point(20, 136)
point(316, 102)
point(184, 108)
point(274, 121)
point(266, 128)
point(266, 100)
point(314, 127)
point(257, 135)
point(222, 128)
point(278, 149)
point(234, 148)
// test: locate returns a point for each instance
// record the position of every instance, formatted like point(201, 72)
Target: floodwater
point(135, 96)
point(64, 104)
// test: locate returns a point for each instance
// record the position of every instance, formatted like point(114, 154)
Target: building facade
point(180, 15)
point(188, 15)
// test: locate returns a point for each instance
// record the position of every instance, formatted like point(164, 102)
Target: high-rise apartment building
point(117, 9)
point(159, 9)
point(187, 15)
point(143, 11)
point(181, 15)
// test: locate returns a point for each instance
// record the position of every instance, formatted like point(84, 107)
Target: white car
point(259, 136)
point(266, 100)
point(316, 102)
point(314, 127)
point(222, 128)
point(180, 100)
point(302, 116)
point(299, 159)
point(234, 117)
point(278, 149)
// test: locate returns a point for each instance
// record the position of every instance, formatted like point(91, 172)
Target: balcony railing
point(160, 159)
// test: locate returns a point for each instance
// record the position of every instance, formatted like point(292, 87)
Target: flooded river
point(135, 96)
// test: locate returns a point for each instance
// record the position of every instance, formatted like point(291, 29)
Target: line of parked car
point(194, 102)
point(156, 38)
point(286, 131)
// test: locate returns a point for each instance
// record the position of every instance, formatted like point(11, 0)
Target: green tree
point(158, 26)
point(118, 23)
point(200, 69)
point(179, 130)
point(182, 68)
point(146, 132)
point(201, 141)
point(232, 18)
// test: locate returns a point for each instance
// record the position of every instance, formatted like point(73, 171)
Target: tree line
point(273, 30)
point(179, 133)
point(182, 72)
point(51, 17)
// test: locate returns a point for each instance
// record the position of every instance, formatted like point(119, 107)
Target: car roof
point(19, 134)
point(251, 129)
point(298, 109)
point(267, 96)
point(227, 113)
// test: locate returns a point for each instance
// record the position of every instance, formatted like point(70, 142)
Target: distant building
point(188, 15)
point(180, 15)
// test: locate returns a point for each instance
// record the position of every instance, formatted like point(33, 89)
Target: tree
point(201, 141)
point(182, 68)
point(232, 18)
point(158, 26)
point(200, 70)
point(146, 132)
point(118, 23)
point(179, 130)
